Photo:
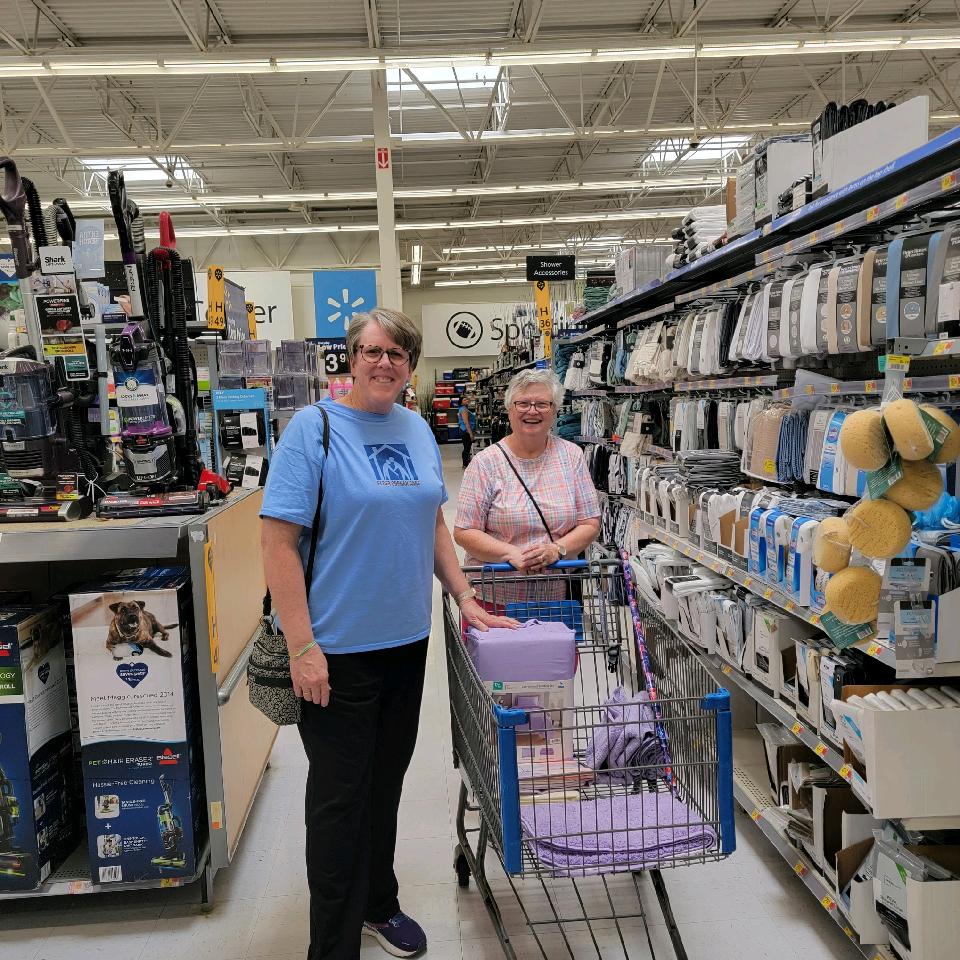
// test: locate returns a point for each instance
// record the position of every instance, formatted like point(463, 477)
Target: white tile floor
point(750, 907)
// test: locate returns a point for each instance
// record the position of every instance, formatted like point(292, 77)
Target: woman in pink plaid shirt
point(528, 500)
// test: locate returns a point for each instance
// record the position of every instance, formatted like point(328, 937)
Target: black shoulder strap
point(315, 527)
point(516, 473)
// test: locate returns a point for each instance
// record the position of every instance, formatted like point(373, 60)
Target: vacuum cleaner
point(171, 832)
point(12, 863)
point(156, 380)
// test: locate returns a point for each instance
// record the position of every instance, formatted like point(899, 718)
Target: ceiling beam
point(66, 34)
point(373, 22)
point(691, 21)
point(185, 116)
point(7, 37)
point(67, 139)
point(840, 20)
point(813, 83)
point(467, 135)
point(217, 17)
point(199, 43)
point(938, 73)
point(322, 112)
point(553, 99)
point(533, 24)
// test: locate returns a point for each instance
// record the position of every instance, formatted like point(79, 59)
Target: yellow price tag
point(791, 606)
point(848, 932)
point(170, 881)
point(808, 389)
point(953, 382)
point(728, 572)
point(873, 649)
point(897, 361)
point(838, 228)
point(78, 886)
point(769, 466)
point(797, 729)
point(814, 618)
point(726, 669)
point(747, 581)
point(872, 214)
point(846, 771)
point(767, 594)
point(948, 181)
point(699, 556)
point(754, 814)
point(800, 869)
point(820, 749)
point(901, 201)
point(813, 238)
point(870, 386)
point(789, 247)
point(828, 903)
point(834, 387)
point(908, 383)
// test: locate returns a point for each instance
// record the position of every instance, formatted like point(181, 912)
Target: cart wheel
point(462, 867)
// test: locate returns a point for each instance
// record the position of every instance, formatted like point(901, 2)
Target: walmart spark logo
point(338, 295)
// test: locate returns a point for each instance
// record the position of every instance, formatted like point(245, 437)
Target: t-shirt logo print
point(392, 464)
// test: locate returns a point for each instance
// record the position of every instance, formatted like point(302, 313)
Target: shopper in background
point(528, 500)
point(468, 423)
point(358, 636)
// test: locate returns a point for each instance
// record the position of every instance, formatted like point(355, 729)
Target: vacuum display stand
point(221, 547)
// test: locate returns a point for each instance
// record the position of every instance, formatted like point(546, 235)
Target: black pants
point(467, 442)
point(359, 748)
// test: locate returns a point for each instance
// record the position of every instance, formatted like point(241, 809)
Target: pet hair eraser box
point(139, 718)
point(38, 818)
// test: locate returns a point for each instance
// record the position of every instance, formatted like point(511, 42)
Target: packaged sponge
point(863, 440)
point(853, 595)
point(911, 438)
point(879, 529)
point(831, 545)
point(919, 487)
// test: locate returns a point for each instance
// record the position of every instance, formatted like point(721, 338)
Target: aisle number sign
point(541, 301)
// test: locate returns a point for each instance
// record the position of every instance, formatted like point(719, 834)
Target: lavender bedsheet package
point(532, 668)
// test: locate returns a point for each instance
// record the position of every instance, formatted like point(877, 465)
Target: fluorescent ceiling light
point(486, 282)
point(514, 265)
point(416, 255)
point(338, 60)
point(571, 244)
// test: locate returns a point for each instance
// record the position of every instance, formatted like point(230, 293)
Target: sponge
point(908, 430)
point(878, 528)
point(853, 594)
point(831, 545)
point(864, 441)
point(920, 486)
point(950, 450)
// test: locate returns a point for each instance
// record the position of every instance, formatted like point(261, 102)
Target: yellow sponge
point(831, 545)
point(853, 594)
point(950, 450)
point(920, 486)
point(878, 528)
point(907, 428)
point(863, 440)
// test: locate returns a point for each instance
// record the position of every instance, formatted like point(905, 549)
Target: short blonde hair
point(396, 325)
point(525, 379)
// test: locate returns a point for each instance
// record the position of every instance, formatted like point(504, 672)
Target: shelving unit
point(224, 541)
point(449, 432)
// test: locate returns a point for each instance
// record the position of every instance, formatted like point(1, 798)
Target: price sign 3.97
point(335, 361)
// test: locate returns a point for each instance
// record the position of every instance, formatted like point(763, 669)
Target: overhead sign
point(338, 295)
point(475, 329)
point(383, 158)
point(270, 291)
point(558, 267)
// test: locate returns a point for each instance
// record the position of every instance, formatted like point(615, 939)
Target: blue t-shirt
point(373, 574)
point(463, 414)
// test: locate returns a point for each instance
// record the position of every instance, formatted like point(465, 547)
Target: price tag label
point(873, 213)
point(948, 181)
point(789, 247)
point(791, 606)
point(873, 649)
point(820, 749)
point(754, 815)
point(953, 381)
point(838, 228)
point(870, 386)
point(170, 882)
point(747, 581)
point(897, 361)
point(797, 729)
point(834, 387)
point(808, 389)
point(828, 903)
point(813, 238)
point(815, 619)
point(767, 594)
point(800, 869)
point(78, 886)
point(908, 383)
point(335, 360)
point(846, 771)
point(902, 201)
point(728, 572)
point(726, 669)
point(848, 932)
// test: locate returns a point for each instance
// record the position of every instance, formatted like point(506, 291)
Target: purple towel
point(538, 650)
point(625, 739)
point(638, 831)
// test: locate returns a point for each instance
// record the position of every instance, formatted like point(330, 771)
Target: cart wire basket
point(582, 788)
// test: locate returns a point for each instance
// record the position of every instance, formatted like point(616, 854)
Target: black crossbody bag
point(268, 669)
point(526, 490)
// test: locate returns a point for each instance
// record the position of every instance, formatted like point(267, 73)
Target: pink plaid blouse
point(492, 499)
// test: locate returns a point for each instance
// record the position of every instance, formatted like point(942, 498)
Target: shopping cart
point(580, 802)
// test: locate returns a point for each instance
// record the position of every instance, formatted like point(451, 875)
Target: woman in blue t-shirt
point(358, 637)
point(468, 424)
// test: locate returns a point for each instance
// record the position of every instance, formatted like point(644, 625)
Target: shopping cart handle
point(559, 565)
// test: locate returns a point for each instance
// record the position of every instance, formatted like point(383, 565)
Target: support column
point(390, 292)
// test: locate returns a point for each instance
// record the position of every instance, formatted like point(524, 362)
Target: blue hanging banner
point(338, 295)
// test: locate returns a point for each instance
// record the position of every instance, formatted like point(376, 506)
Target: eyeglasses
point(396, 355)
point(525, 406)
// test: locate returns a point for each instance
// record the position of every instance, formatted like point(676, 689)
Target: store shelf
point(730, 383)
point(645, 315)
point(93, 539)
point(594, 392)
point(72, 878)
point(757, 585)
point(644, 388)
point(753, 798)
point(510, 370)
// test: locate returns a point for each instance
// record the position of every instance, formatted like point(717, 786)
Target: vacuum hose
point(37, 224)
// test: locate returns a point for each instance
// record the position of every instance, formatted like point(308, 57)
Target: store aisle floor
point(750, 907)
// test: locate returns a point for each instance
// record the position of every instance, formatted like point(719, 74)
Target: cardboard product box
point(856, 892)
point(746, 197)
point(777, 167)
point(549, 734)
point(905, 782)
point(139, 721)
point(807, 680)
point(836, 809)
point(779, 754)
point(730, 201)
point(39, 816)
point(773, 662)
point(922, 916)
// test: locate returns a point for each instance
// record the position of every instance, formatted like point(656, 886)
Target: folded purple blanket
point(625, 742)
point(633, 832)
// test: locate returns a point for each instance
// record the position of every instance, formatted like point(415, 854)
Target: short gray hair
point(396, 325)
point(525, 379)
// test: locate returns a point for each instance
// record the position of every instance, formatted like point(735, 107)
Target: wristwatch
point(561, 549)
point(462, 598)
